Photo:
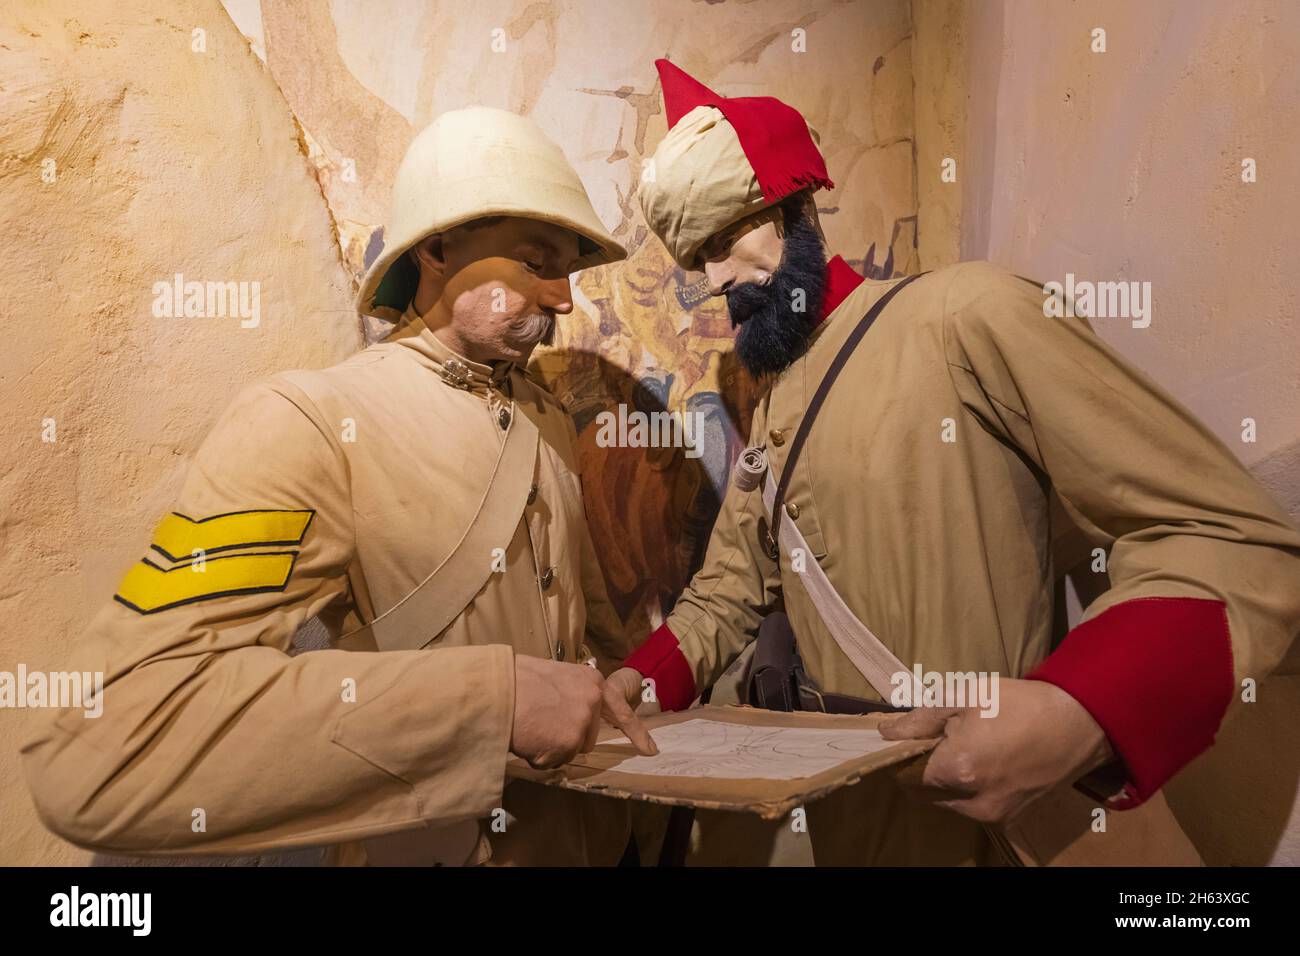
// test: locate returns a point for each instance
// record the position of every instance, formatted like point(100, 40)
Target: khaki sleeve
point(212, 737)
point(721, 609)
point(1204, 565)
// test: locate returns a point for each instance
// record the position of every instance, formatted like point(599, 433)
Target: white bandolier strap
point(864, 650)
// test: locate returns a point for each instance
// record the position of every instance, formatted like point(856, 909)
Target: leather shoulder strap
point(818, 399)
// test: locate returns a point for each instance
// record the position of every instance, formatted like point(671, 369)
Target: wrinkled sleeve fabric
point(1204, 565)
point(719, 612)
point(213, 737)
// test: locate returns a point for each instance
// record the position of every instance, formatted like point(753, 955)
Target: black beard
point(772, 334)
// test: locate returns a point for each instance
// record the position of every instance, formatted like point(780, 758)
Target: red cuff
point(1156, 675)
point(661, 659)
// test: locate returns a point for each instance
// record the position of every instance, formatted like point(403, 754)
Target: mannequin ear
point(428, 255)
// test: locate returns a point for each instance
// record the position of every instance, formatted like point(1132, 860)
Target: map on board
point(711, 748)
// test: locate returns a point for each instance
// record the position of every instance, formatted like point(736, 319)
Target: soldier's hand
point(991, 768)
point(622, 692)
point(625, 684)
point(557, 710)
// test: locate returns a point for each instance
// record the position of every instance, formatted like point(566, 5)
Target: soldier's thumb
point(922, 722)
point(622, 715)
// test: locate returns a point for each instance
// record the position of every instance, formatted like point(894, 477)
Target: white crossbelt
point(873, 659)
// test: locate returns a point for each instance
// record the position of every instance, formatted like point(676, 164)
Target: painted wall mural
point(362, 78)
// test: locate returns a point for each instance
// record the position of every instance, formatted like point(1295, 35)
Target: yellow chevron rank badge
point(254, 552)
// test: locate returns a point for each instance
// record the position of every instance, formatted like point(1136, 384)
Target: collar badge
point(456, 374)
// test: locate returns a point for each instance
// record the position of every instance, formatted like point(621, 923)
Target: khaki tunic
point(334, 493)
point(944, 548)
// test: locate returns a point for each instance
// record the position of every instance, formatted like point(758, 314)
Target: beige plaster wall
point(166, 160)
point(1127, 165)
point(940, 51)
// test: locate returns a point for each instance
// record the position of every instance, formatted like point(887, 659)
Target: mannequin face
point(747, 251)
point(492, 289)
point(771, 266)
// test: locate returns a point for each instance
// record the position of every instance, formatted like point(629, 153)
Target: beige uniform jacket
point(925, 492)
point(335, 493)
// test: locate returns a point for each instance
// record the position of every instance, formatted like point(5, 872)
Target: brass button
point(547, 577)
point(559, 650)
point(532, 494)
point(778, 436)
point(503, 418)
point(792, 509)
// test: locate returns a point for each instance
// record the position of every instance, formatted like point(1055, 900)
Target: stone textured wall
point(160, 160)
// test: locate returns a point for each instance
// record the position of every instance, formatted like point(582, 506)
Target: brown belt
point(777, 679)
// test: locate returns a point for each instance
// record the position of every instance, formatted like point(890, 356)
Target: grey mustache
point(536, 328)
